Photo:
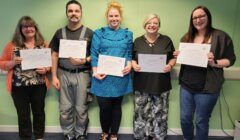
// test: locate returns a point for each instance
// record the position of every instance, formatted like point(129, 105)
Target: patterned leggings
point(151, 114)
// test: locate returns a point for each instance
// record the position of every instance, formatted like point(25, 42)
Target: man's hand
point(56, 82)
point(77, 61)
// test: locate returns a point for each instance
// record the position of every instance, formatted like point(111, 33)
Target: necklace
point(152, 42)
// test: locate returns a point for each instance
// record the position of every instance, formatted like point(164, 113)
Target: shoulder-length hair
point(190, 35)
point(18, 37)
point(150, 17)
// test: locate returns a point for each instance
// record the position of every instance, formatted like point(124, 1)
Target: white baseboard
point(122, 130)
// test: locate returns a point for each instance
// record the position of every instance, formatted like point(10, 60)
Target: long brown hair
point(18, 37)
point(190, 35)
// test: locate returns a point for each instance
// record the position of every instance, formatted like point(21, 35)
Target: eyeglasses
point(199, 17)
point(27, 26)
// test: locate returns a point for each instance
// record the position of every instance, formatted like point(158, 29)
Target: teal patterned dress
point(107, 41)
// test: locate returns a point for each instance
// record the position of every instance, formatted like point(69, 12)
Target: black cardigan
point(222, 47)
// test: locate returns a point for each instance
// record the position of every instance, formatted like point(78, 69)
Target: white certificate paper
point(152, 62)
point(193, 54)
point(35, 58)
point(72, 48)
point(110, 65)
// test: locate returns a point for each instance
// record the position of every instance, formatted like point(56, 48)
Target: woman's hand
point(167, 68)
point(211, 59)
point(170, 65)
point(176, 53)
point(127, 69)
point(99, 76)
point(135, 66)
point(42, 70)
point(17, 60)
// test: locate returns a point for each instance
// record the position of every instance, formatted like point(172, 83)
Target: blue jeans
point(202, 105)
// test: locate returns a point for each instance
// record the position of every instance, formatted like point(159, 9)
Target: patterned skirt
point(150, 115)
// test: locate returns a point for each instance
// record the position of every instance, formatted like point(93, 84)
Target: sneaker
point(113, 137)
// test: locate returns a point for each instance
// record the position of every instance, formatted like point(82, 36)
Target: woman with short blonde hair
point(150, 17)
point(152, 89)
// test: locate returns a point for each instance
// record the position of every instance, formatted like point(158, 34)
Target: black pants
point(27, 98)
point(110, 113)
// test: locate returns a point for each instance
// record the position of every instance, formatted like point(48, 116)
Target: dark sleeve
point(54, 44)
point(172, 49)
point(134, 50)
point(89, 41)
point(130, 46)
point(95, 46)
point(228, 50)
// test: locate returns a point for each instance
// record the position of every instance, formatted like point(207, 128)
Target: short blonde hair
point(114, 5)
point(149, 17)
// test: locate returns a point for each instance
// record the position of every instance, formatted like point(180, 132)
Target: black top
point(152, 83)
point(222, 48)
point(71, 35)
point(197, 83)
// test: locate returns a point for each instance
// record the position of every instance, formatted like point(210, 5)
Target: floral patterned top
point(26, 77)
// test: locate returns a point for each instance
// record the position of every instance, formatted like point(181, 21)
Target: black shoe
point(150, 138)
point(67, 137)
point(81, 137)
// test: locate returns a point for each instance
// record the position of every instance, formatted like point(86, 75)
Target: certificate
point(72, 48)
point(193, 54)
point(110, 65)
point(152, 62)
point(35, 58)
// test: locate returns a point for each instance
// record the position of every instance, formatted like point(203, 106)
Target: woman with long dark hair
point(200, 87)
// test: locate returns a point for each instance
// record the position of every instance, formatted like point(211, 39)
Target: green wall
point(174, 14)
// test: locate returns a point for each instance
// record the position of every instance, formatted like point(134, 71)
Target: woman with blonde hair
point(27, 87)
point(152, 89)
point(109, 90)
